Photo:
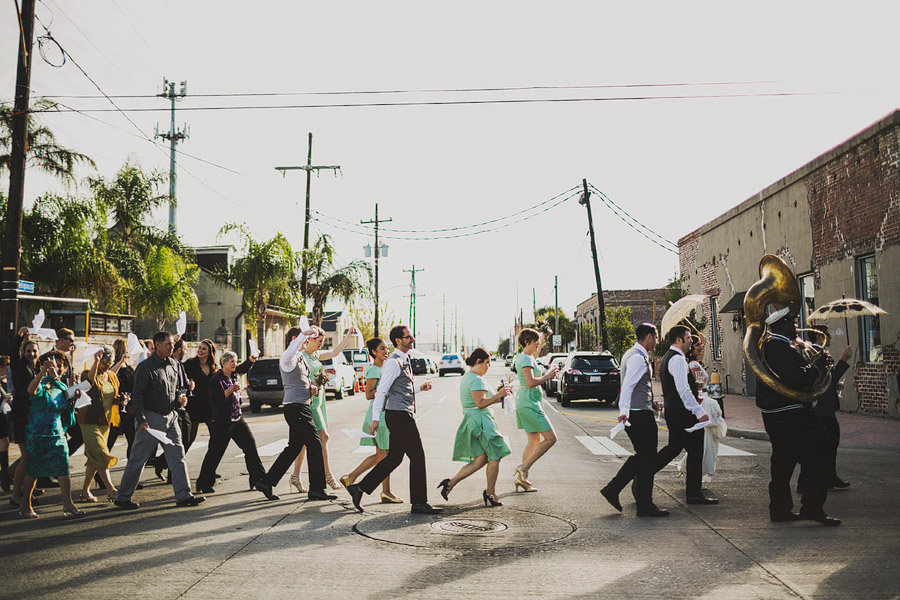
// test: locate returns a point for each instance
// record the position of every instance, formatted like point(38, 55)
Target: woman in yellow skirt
point(530, 414)
point(95, 421)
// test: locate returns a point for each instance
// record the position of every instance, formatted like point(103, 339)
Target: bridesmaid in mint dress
point(379, 352)
point(478, 440)
point(314, 357)
point(530, 414)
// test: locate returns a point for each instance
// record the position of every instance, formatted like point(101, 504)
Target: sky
point(689, 109)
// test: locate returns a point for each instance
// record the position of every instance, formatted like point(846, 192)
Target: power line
point(607, 200)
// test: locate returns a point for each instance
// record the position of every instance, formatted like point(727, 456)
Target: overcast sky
point(673, 164)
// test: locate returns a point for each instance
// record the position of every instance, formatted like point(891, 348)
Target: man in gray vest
point(396, 395)
point(298, 393)
point(636, 410)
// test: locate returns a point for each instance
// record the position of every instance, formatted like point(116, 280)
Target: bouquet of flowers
point(320, 379)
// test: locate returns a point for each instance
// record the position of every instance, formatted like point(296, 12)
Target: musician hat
point(778, 315)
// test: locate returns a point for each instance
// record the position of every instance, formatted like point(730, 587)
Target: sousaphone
point(776, 286)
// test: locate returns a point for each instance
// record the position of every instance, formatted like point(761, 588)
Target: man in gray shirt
point(155, 398)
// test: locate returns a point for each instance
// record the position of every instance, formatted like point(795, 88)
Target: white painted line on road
point(444, 397)
point(272, 449)
point(198, 444)
point(364, 450)
point(602, 446)
point(729, 451)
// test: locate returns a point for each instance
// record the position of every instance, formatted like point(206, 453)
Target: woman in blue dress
point(379, 352)
point(314, 358)
point(530, 414)
point(478, 440)
point(51, 413)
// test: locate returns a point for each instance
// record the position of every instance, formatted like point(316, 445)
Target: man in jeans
point(155, 398)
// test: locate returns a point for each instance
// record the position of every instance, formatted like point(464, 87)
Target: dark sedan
point(265, 386)
point(589, 375)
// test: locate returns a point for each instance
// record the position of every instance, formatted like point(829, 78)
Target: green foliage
point(363, 316)
point(325, 281)
point(503, 347)
point(619, 329)
point(588, 339)
point(545, 320)
point(43, 151)
point(168, 288)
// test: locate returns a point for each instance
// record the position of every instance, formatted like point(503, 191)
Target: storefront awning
point(736, 304)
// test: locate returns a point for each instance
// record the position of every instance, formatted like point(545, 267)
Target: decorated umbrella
point(679, 311)
point(845, 308)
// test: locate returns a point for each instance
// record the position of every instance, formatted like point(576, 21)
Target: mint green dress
point(478, 433)
point(383, 435)
point(529, 401)
point(317, 406)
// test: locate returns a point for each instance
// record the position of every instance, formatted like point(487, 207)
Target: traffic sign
point(26, 287)
point(557, 340)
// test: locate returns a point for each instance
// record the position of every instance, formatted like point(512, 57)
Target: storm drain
point(469, 526)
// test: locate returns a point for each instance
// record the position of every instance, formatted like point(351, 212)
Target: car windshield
point(593, 363)
point(360, 356)
point(265, 368)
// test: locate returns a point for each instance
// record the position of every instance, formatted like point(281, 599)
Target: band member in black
point(797, 436)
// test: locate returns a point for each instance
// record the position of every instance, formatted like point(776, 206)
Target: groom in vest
point(396, 396)
point(636, 410)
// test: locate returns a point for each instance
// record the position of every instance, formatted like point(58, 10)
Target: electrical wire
point(629, 223)
point(609, 200)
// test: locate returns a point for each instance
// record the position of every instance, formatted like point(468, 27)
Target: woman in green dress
point(379, 352)
point(530, 407)
point(314, 358)
point(478, 441)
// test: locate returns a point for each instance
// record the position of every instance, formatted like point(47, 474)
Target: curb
point(750, 434)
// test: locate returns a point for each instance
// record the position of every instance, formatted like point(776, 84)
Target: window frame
point(715, 336)
point(868, 324)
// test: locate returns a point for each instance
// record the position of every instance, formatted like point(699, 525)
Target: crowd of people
point(161, 400)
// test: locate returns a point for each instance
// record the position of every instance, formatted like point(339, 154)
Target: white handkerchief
point(85, 400)
point(254, 349)
point(83, 386)
point(356, 433)
point(39, 331)
point(699, 426)
point(618, 428)
point(161, 436)
point(509, 405)
point(5, 408)
point(304, 324)
point(181, 324)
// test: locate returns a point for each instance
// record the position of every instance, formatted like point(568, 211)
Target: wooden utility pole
point(12, 249)
point(377, 256)
point(309, 168)
point(586, 201)
point(412, 297)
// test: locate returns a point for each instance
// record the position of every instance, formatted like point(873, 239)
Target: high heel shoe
point(522, 474)
point(111, 497)
point(330, 482)
point(74, 514)
point(87, 498)
point(444, 486)
point(520, 482)
point(295, 481)
point(390, 499)
point(30, 515)
point(345, 481)
point(490, 499)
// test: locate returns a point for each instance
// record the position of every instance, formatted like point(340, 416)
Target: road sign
point(26, 287)
point(557, 340)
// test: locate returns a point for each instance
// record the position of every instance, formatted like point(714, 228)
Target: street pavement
point(564, 541)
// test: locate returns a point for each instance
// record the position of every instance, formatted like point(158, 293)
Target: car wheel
point(255, 406)
point(565, 400)
point(440, 373)
point(339, 392)
point(351, 391)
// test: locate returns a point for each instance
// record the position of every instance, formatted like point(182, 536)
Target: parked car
point(451, 363)
point(419, 365)
point(432, 365)
point(264, 384)
point(546, 360)
point(359, 359)
point(341, 376)
point(589, 375)
point(550, 386)
point(508, 360)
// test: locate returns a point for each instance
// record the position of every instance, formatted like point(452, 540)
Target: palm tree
point(43, 151)
point(265, 274)
point(326, 282)
point(168, 288)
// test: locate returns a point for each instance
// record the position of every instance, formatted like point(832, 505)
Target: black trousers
point(301, 432)
point(679, 439)
point(405, 440)
point(797, 436)
point(644, 436)
point(220, 435)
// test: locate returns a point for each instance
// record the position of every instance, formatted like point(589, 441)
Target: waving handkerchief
point(181, 324)
point(618, 428)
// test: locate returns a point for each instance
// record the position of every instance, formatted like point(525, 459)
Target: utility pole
point(444, 325)
point(12, 249)
point(309, 168)
point(412, 297)
point(378, 249)
point(533, 304)
point(174, 136)
point(586, 201)
point(556, 305)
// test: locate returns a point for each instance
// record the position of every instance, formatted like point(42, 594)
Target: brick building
point(647, 306)
point(836, 222)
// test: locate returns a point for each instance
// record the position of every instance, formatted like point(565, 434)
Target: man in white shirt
point(396, 395)
point(636, 410)
point(682, 412)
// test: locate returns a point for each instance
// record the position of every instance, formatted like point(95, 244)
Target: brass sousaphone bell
point(777, 285)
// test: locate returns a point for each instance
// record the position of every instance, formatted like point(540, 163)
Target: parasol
point(679, 311)
point(845, 308)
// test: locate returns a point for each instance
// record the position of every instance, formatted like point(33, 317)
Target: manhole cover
point(469, 526)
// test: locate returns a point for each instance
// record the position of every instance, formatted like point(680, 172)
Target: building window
point(191, 332)
point(807, 300)
point(715, 338)
point(869, 327)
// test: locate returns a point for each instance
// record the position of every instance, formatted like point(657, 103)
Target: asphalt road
point(563, 542)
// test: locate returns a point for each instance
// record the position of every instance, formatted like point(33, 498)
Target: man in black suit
point(796, 435)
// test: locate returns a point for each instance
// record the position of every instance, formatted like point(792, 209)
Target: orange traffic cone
point(356, 386)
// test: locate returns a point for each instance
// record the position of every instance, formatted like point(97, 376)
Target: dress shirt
point(678, 369)
point(635, 368)
point(288, 360)
point(389, 372)
point(155, 387)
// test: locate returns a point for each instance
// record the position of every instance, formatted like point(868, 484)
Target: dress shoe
point(206, 490)
point(159, 467)
point(782, 517)
point(192, 501)
point(425, 509)
point(320, 495)
point(822, 519)
point(127, 504)
point(356, 495)
point(653, 511)
point(266, 490)
point(702, 500)
point(612, 498)
point(837, 482)
point(139, 486)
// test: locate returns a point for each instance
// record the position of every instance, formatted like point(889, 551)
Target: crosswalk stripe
point(602, 446)
point(269, 449)
point(364, 450)
point(197, 444)
point(729, 451)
